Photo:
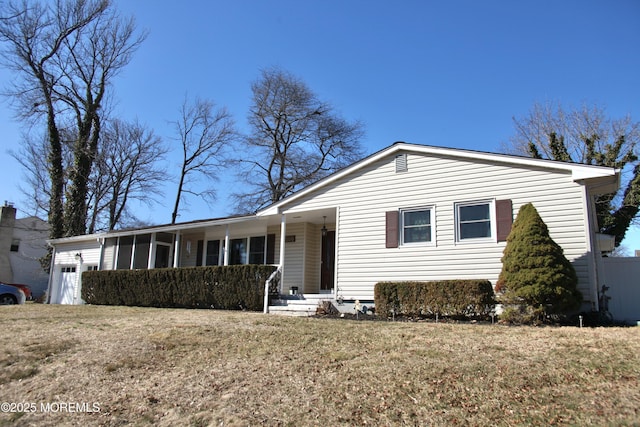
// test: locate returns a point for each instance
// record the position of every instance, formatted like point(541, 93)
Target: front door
point(328, 261)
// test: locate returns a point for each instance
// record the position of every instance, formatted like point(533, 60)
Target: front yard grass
point(145, 366)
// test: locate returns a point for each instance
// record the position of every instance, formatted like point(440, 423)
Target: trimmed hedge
point(454, 298)
point(229, 287)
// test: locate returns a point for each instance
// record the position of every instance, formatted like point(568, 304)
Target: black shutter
point(271, 248)
point(504, 219)
point(392, 226)
point(199, 253)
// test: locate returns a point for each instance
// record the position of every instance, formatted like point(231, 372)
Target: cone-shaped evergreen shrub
point(536, 276)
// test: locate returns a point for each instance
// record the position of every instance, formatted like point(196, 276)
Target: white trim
point(77, 292)
point(578, 171)
point(432, 225)
point(167, 228)
point(151, 261)
point(594, 258)
point(132, 258)
point(336, 261)
point(52, 272)
point(227, 243)
point(492, 220)
point(102, 242)
point(177, 238)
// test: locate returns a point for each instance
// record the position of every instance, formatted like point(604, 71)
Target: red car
point(25, 288)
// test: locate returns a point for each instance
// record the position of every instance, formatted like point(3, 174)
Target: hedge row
point(229, 287)
point(454, 298)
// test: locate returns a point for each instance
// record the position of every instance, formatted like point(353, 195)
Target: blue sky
point(446, 73)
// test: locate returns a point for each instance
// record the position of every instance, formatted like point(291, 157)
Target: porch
point(301, 244)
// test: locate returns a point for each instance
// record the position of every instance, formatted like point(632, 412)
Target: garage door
point(67, 285)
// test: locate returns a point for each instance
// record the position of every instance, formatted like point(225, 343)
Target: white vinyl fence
point(622, 275)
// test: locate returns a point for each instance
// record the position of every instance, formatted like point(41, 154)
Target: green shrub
point(454, 298)
point(229, 287)
point(536, 277)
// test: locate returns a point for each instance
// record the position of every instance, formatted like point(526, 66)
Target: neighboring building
point(408, 212)
point(23, 242)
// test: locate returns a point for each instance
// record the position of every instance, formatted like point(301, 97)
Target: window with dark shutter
point(392, 229)
point(504, 219)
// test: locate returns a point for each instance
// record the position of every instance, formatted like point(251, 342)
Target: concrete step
point(293, 310)
point(297, 305)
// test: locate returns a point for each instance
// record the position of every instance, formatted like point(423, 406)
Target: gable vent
point(401, 163)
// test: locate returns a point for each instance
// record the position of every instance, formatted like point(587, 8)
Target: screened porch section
point(157, 250)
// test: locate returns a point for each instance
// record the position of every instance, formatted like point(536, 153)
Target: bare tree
point(65, 55)
point(127, 169)
point(295, 140)
point(33, 155)
point(36, 183)
point(204, 133)
point(587, 135)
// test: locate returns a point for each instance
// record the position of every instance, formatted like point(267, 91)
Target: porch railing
point(271, 286)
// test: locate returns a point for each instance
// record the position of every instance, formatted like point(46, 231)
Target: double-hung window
point(416, 226)
point(257, 250)
point(473, 220)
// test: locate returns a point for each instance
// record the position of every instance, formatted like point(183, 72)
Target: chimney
point(7, 222)
point(7, 214)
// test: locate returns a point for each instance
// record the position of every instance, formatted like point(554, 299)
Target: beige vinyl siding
point(312, 259)
point(66, 253)
point(294, 252)
point(188, 259)
point(365, 196)
point(302, 266)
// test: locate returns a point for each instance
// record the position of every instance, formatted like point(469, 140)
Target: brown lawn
point(113, 366)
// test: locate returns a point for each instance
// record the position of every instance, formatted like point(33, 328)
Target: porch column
point(152, 252)
point(283, 238)
point(176, 251)
point(116, 254)
point(133, 252)
point(226, 246)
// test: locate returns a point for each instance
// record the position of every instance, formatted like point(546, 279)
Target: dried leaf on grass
point(204, 367)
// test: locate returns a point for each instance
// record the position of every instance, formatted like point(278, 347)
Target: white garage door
point(67, 285)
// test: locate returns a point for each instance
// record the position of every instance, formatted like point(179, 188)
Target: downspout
point(77, 292)
point(336, 287)
point(101, 240)
point(594, 259)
